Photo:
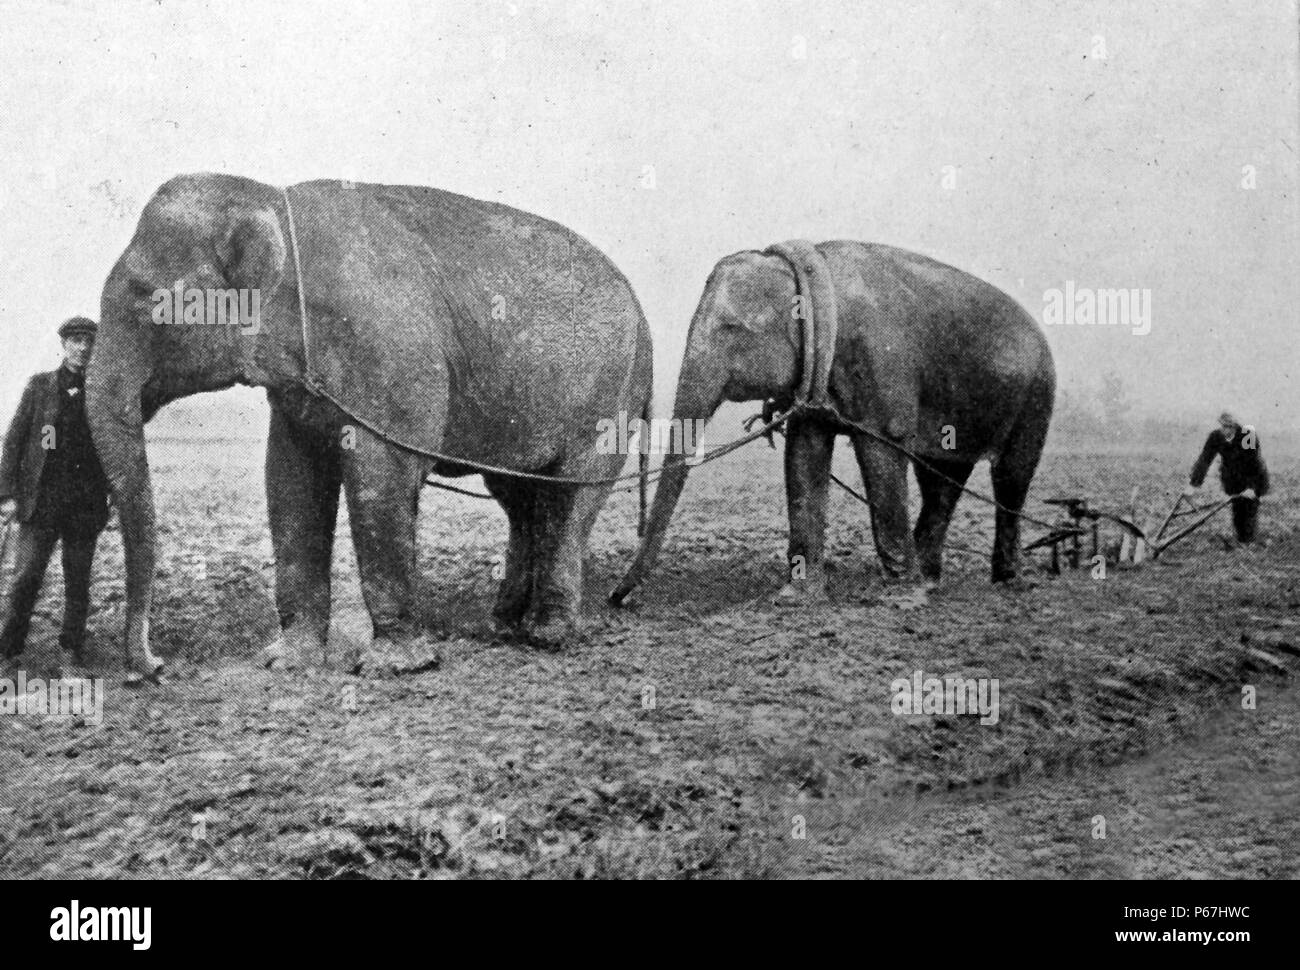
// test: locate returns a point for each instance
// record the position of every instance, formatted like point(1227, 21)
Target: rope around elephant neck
point(318, 388)
point(820, 326)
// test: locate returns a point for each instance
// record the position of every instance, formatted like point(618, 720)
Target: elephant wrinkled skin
point(455, 326)
point(926, 356)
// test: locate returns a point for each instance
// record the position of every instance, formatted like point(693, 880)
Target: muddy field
point(702, 733)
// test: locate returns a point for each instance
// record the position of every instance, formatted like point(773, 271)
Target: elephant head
point(748, 341)
point(205, 233)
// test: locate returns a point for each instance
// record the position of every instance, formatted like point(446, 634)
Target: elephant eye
point(140, 294)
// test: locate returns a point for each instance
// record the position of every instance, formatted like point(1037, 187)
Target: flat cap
point(77, 325)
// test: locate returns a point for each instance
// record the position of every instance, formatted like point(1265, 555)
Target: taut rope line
point(823, 409)
point(319, 389)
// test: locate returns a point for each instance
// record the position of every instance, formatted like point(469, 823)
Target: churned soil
point(1148, 722)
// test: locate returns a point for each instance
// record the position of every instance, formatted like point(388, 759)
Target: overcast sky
point(992, 135)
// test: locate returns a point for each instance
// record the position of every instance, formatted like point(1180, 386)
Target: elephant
point(399, 328)
point(895, 349)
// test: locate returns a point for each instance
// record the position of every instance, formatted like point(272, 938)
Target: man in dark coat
point(52, 486)
point(1241, 470)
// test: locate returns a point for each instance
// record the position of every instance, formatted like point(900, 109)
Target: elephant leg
point(382, 485)
point(941, 483)
point(565, 517)
point(884, 472)
point(1012, 473)
point(1010, 489)
point(303, 476)
point(1010, 486)
point(516, 588)
point(809, 447)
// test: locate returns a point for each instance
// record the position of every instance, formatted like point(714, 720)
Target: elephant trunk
point(114, 382)
point(699, 393)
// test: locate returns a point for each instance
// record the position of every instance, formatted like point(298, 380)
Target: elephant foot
point(509, 630)
point(508, 620)
point(802, 593)
point(396, 657)
point(553, 635)
point(147, 671)
point(905, 597)
point(1016, 584)
point(276, 657)
point(136, 678)
point(292, 649)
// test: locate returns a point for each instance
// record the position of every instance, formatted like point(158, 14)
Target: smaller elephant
point(928, 358)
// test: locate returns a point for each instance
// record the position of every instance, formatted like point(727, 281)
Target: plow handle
point(1211, 513)
point(1168, 518)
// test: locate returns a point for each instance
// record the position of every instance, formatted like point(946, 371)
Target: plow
point(1081, 519)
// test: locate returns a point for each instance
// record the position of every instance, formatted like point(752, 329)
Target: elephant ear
point(379, 309)
point(250, 250)
point(884, 310)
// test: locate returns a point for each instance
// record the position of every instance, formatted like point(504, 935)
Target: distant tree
point(1115, 405)
point(1073, 417)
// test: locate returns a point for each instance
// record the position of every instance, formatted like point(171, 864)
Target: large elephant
point(918, 353)
point(435, 323)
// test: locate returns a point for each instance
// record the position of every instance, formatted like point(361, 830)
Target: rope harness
point(812, 401)
point(317, 387)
